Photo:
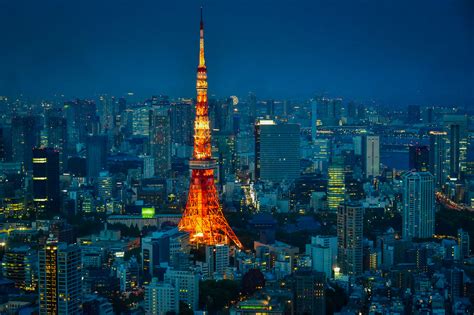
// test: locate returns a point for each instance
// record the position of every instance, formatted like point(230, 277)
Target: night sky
point(393, 52)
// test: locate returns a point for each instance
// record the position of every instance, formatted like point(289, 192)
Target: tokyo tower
point(203, 218)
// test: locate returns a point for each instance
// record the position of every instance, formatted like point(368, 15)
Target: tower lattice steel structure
point(203, 218)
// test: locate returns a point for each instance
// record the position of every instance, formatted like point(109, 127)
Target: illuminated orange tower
point(203, 218)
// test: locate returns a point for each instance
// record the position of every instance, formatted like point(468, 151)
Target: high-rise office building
point(277, 153)
point(107, 112)
point(418, 205)
point(371, 156)
point(81, 116)
point(148, 166)
point(160, 140)
point(159, 247)
point(464, 243)
point(19, 264)
point(457, 128)
point(187, 285)
point(309, 292)
point(3, 155)
point(217, 259)
point(350, 238)
point(270, 105)
point(322, 149)
point(96, 160)
point(155, 250)
point(329, 111)
point(454, 150)
point(25, 133)
point(419, 158)
point(439, 163)
point(161, 298)
point(314, 119)
point(413, 114)
point(60, 279)
point(182, 117)
point(57, 137)
point(46, 192)
point(141, 121)
point(252, 103)
point(104, 185)
point(336, 184)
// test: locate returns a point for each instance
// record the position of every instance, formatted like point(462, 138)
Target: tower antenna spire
point(202, 61)
point(202, 22)
point(203, 218)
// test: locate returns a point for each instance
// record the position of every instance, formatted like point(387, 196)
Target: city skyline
point(166, 202)
point(390, 54)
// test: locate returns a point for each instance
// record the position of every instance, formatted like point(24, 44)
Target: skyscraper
point(25, 136)
point(160, 140)
point(96, 147)
point(252, 102)
point(60, 279)
point(419, 158)
point(439, 165)
point(349, 238)
point(81, 120)
point(464, 243)
point(155, 250)
point(104, 186)
point(46, 181)
point(454, 146)
point(3, 155)
point(57, 137)
point(336, 184)
point(314, 119)
point(277, 153)
point(329, 111)
point(371, 156)
point(457, 128)
point(181, 123)
point(418, 205)
point(141, 121)
point(203, 218)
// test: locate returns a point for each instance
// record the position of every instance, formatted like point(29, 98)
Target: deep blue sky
point(397, 52)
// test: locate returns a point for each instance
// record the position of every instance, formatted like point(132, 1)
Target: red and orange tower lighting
point(203, 218)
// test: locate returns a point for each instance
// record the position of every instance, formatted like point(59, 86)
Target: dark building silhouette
point(25, 137)
point(2, 145)
point(160, 140)
point(46, 181)
point(96, 159)
point(438, 165)
point(182, 127)
point(77, 166)
point(265, 225)
point(81, 120)
point(277, 155)
point(413, 114)
point(57, 137)
point(419, 158)
point(454, 139)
